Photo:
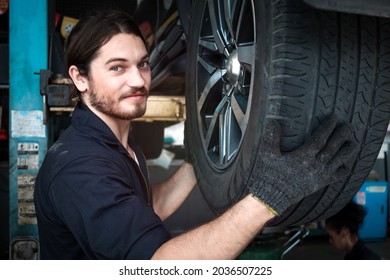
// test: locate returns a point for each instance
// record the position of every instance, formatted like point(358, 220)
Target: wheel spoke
point(216, 20)
point(209, 85)
point(229, 8)
point(246, 56)
point(241, 18)
point(207, 66)
point(223, 135)
point(238, 113)
point(208, 44)
point(213, 123)
point(229, 134)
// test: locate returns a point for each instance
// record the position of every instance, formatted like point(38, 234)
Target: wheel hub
point(233, 68)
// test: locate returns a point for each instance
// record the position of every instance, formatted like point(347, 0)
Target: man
point(92, 197)
point(342, 229)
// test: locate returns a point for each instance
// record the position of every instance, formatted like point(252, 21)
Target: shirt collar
point(85, 120)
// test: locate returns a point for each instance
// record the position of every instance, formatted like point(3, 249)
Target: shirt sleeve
point(98, 204)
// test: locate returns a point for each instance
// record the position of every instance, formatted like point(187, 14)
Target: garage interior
point(303, 242)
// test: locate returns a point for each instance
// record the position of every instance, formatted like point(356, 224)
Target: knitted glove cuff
point(274, 200)
point(270, 209)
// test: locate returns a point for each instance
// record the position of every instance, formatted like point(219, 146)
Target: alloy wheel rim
point(224, 80)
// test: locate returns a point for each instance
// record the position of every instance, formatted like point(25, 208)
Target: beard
point(110, 107)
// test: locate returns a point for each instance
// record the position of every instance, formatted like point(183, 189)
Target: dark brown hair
point(351, 217)
point(91, 33)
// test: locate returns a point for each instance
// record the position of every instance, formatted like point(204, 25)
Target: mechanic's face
point(337, 239)
point(120, 78)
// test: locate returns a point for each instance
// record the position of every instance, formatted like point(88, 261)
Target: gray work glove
point(281, 180)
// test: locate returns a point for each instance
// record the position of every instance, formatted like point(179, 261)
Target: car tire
point(251, 61)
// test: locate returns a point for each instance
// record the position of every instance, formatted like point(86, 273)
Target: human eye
point(117, 68)
point(144, 64)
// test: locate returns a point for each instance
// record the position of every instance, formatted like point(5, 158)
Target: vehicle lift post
point(28, 53)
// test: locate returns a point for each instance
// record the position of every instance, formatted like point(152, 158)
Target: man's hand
point(281, 180)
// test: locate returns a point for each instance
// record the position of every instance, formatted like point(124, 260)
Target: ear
point(80, 82)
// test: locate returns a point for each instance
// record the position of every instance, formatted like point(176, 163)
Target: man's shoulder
point(76, 143)
point(74, 147)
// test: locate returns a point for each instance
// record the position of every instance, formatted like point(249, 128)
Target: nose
point(136, 78)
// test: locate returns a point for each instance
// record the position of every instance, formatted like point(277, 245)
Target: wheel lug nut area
point(233, 67)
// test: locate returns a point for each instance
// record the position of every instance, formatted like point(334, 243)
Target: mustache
point(135, 91)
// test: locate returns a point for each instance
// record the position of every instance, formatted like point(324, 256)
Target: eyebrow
point(120, 59)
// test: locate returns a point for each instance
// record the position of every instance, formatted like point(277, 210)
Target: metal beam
point(159, 108)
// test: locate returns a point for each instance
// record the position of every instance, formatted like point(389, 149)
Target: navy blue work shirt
point(360, 251)
point(92, 199)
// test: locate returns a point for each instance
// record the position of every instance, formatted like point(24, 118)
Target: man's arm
point(169, 195)
point(223, 238)
point(279, 180)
